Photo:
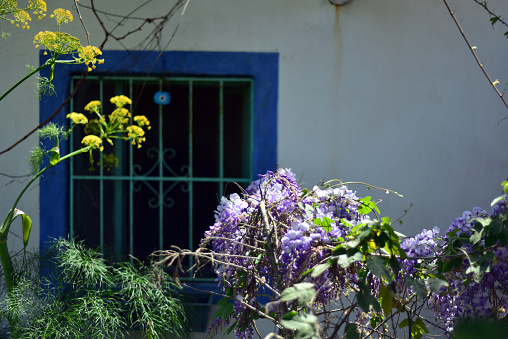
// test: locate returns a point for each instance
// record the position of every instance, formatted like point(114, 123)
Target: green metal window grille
point(163, 194)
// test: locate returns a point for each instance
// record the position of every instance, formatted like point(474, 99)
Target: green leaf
point(55, 157)
point(367, 206)
point(419, 321)
point(225, 309)
point(377, 266)
point(491, 240)
point(289, 315)
point(476, 237)
point(418, 328)
point(344, 260)
point(26, 225)
point(352, 332)
point(404, 323)
point(418, 286)
point(386, 294)
point(303, 292)
point(395, 265)
point(436, 284)
point(304, 324)
point(495, 201)
point(309, 210)
point(503, 237)
point(319, 269)
point(416, 332)
point(365, 232)
point(366, 299)
point(324, 222)
point(477, 273)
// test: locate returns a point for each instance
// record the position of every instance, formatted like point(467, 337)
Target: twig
point(472, 50)
point(484, 5)
point(51, 117)
point(82, 22)
point(261, 313)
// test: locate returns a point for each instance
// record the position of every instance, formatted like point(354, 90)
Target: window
point(163, 193)
point(199, 83)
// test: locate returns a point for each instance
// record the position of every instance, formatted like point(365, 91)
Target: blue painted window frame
point(262, 67)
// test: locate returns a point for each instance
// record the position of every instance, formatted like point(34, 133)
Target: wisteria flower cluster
point(289, 254)
point(291, 242)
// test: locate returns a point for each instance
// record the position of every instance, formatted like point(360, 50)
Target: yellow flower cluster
point(142, 121)
point(57, 42)
point(121, 100)
point(39, 7)
point(93, 141)
point(62, 15)
point(116, 126)
point(22, 17)
point(88, 55)
point(93, 106)
point(136, 134)
point(109, 161)
point(120, 116)
point(77, 118)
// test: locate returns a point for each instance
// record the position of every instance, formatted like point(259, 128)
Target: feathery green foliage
point(87, 298)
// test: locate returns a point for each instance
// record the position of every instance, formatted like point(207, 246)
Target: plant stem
point(46, 64)
point(5, 256)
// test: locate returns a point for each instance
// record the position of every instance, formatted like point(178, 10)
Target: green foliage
point(417, 327)
point(303, 323)
point(35, 159)
point(303, 292)
point(86, 298)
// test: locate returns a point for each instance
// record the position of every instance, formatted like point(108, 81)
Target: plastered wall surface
point(384, 92)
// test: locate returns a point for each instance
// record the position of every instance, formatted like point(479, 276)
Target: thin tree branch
point(51, 117)
point(472, 50)
point(82, 22)
point(491, 13)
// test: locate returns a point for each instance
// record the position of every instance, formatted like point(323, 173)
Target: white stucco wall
point(380, 91)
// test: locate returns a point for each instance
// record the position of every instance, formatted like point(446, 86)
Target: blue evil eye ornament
point(162, 98)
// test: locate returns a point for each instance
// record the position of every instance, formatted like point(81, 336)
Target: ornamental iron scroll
point(161, 198)
point(168, 153)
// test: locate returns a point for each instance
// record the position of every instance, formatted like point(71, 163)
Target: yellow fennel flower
point(121, 116)
point(93, 106)
point(39, 7)
point(77, 118)
point(88, 55)
point(60, 43)
point(62, 15)
point(22, 17)
point(136, 133)
point(109, 161)
point(93, 141)
point(121, 100)
point(142, 121)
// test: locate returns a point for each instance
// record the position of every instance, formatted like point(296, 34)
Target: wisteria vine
point(322, 263)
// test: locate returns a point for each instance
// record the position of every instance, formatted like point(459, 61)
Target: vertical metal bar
point(131, 188)
point(191, 183)
point(101, 179)
point(71, 171)
point(221, 138)
point(251, 130)
point(118, 187)
point(161, 168)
